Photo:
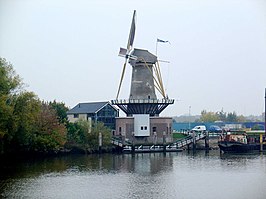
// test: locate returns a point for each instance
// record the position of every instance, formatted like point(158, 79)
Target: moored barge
point(241, 141)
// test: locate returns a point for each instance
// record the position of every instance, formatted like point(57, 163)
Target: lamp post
point(189, 108)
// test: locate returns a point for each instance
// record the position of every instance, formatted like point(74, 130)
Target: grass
point(178, 136)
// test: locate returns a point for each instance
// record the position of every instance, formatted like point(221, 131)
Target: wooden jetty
point(128, 146)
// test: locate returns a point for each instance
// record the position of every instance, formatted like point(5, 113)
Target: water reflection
point(155, 175)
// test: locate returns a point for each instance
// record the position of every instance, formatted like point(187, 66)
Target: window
point(76, 115)
point(154, 129)
point(143, 128)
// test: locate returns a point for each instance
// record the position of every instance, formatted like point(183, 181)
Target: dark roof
point(143, 54)
point(92, 107)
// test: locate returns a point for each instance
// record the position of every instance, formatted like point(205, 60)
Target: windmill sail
point(126, 52)
point(132, 33)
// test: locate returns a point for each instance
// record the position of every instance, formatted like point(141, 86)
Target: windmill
point(146, 77)
point(126, 52)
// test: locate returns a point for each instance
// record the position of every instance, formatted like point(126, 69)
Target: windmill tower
point(142, 105)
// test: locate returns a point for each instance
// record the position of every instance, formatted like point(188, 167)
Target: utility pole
point(189, 108)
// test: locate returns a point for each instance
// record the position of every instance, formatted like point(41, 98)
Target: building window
point(76, 115)
point(154, 129)
point(143, 128)
point(120, 129)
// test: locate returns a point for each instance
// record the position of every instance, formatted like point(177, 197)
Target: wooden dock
point(129, 147)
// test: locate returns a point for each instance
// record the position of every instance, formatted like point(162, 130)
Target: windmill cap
point(143, 56)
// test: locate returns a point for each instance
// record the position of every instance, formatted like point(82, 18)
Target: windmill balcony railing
point(143, 101)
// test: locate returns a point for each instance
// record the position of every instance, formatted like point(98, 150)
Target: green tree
point(10, 85)
point(10, 82)
point(78, 135)
point(208, 116)
point(241, 118)
point(84, 135)
point(232, 117)
point(26, 109)
point(61, 110)
point(222, 115)
point(93, 139)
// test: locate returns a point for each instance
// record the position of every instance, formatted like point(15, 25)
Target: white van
point(199, 128)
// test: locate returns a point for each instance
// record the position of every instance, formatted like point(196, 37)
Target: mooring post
point(207, 140)
point(123, 138)
point(261, 142)
point(164, 142)
point(133, 143)
point(194, 140)
point(100, 142)
point(154, 138)
point(265, 114)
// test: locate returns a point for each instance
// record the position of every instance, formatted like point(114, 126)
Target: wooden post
point(194, 141)
point(154, 138)
point(261, 142)
point(265, 114)
point(164, 142)
point(133, 143)
point(100, 142)
point(123, 138)
point(207, 141)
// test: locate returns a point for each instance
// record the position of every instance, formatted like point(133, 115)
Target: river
point(154, 175)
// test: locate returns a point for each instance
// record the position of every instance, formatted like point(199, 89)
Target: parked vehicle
point(199, 128)
point(215, 129)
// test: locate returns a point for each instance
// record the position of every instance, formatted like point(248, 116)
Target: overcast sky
point(68, 50)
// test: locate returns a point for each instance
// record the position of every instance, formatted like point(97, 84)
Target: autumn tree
point(208, 116)
point(27, 124)
point(50, 134)
point(221, 116)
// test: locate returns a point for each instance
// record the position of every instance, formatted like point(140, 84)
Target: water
point(173, 175)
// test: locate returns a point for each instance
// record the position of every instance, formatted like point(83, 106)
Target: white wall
point(141, 124)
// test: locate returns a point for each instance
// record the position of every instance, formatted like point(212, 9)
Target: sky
point(67, 50)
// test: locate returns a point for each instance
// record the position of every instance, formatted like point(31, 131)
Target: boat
point(241, 141)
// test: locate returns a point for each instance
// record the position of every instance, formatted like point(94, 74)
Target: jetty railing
point(177, 145)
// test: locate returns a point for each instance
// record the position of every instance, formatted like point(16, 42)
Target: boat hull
point(231, 146)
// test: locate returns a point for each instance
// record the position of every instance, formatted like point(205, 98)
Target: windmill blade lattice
point(126, 52)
